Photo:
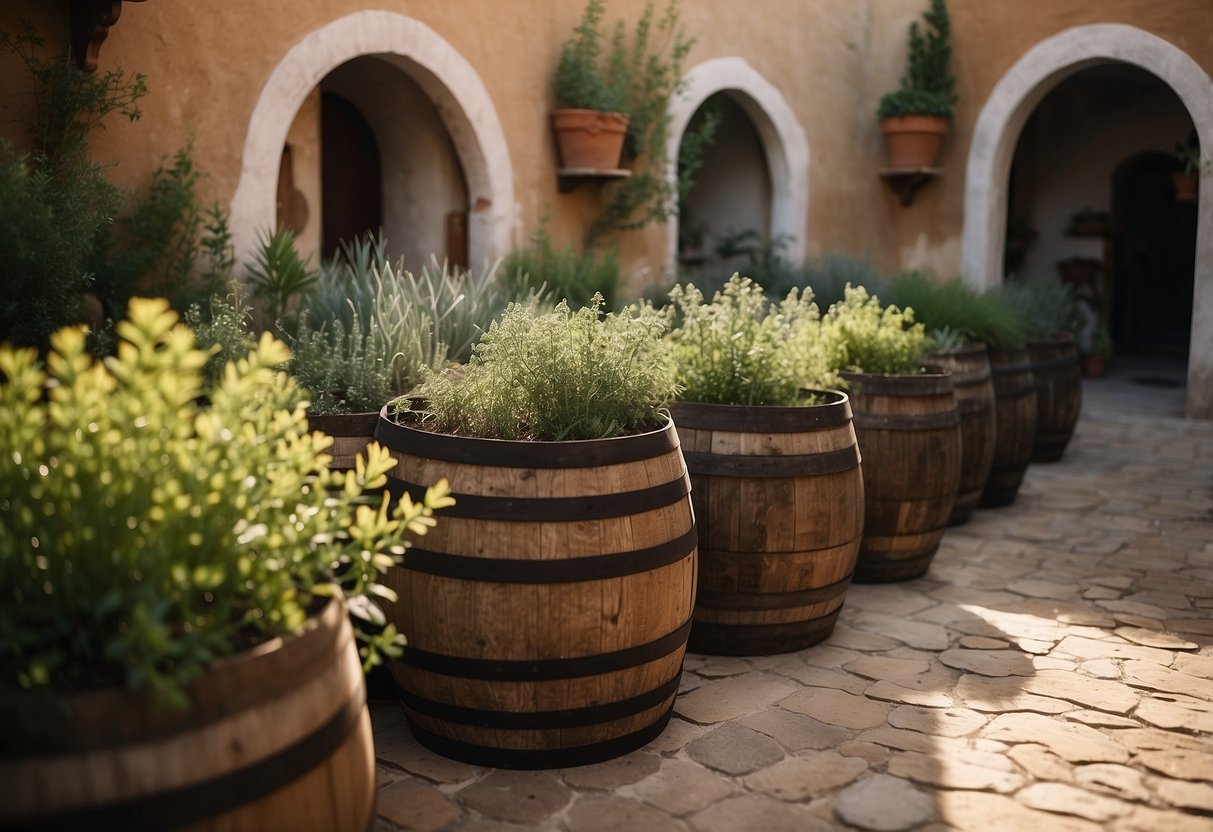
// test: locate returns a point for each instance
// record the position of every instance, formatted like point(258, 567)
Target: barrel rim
point(765, 418)
point(344, 424)
point(527, 453)
point(901, 384)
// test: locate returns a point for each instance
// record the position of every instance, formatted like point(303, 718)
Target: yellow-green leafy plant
point(554, 376)
point(143, 535)
point(870, 338)
point(741, 348)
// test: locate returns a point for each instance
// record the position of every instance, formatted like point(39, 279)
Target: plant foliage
point(928, 87)
point(279, 274)
point(555, 376)
point(342, 370)
point(541, 267)
point(869, 338)
point(741, 348)
point(1044, 309)
point(952, 306)
point(143, 536)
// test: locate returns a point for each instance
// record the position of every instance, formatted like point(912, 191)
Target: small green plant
point(1045, 309)
point(927, 88)
point(586, 78)
point(55, 202)
point(830, 274)
point(561, 272)
point(343, 371)
point(869, 338)
point(278, 274)
point(954, 307)
point(144, 536)
point(554, 376)
point(1188, 153)
point(223, 328)
point(741, 348)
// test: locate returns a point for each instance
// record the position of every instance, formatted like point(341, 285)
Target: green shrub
point(144, 536)
point(1044, 309)
point(55, 202)
point(869, 338)
point(555, 376)
point(953, 307)
point(279, 275)
point(743, 349)
point(223, 328)
point(343, 371)
point(927, 87)
point(562, 273)
point(586, 78)
point(829, 274)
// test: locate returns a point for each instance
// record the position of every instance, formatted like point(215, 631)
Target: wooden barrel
point(970, 369)
point(1058, 378)
point(778, 500)
point(1015, 415)
point(908, 428)
point(351, 433)
point(275, 738)
point(547, 613)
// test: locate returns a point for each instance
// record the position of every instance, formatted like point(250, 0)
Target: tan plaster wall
point(832, 59)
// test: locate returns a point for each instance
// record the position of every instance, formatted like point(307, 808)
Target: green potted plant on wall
point(915, 117)
point(548, 615)
point(775, 565)
point(173, 576)
point(1187, 179)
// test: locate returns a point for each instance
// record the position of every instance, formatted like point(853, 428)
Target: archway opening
point(1090, 202)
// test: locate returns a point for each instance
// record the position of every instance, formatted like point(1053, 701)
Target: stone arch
point(997, 131)
point(449, 80)
point(783, 141)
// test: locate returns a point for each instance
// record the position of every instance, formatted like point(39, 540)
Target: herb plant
point(554, 376)
point(927, 88)
point(952, 306)
point(869, 338)
point(562, 272)
point(741, 348)
point(1044, 309)
point(343, 371)
point(144, 536)
point(278, 274)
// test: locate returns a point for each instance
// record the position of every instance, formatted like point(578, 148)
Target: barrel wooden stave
point(909, 433)
point(1058, 379)
point(1015, 409)
point(780, 511)
point(238, 758)
point(550, 641)
point(351, 433)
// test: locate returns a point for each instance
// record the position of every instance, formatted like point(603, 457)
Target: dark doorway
point(1154, 259)
point(350, 180)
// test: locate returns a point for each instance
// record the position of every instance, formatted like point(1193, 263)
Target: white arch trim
point(449, 80)
point(782, 137)
point(997, 131)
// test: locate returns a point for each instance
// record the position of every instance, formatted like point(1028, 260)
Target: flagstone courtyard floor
point(1053, 671)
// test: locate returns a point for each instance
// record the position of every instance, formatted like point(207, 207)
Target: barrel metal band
point(520, 570)
point(1014, 392)
point(524, 758)
point(542, 720)
point(710, 599)
point(1069, 362)
point(198, 802)
point(527, 670)
point(763, 418)
point(793, 465)
point(553, 509)
point(925, 421)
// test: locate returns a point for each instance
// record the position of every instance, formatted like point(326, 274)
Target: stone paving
point(1053, 671)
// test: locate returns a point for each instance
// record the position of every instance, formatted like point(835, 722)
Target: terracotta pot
point(1093, 365)
point(914, 141)
point(1187, 186)
point(589, 138)
point(1078, 272)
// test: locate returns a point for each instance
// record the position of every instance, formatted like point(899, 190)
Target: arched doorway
point(408, 48)
point(997, 130)
point(780, 136)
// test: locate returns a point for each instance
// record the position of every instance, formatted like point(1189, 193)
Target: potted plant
point(548, 614)
point(1095, 352)
point(908, 426)
point(775, 477)
point(589, 119)
point(1187, 180)
point(1049, 314)
point(964, 326)
point(173, 575)
point(915, 117)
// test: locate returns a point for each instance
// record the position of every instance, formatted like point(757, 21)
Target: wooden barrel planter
point(908, 427)
point(277, 737)
point(778, 499)
point(547, 613)
point(1058, 378)
point(970, 369)
point(351, 433)
point(1015, 415)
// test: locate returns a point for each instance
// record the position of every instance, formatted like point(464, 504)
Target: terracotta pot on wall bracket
point(914, 141)
point(589, 139)
point(1187, 186)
